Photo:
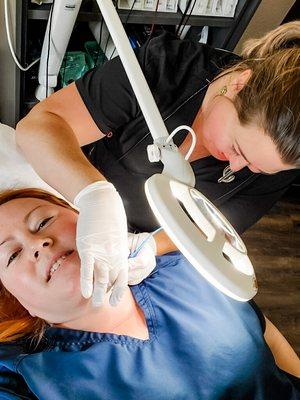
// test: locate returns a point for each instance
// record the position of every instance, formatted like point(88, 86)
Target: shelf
point(142, 17)
point(224, 33)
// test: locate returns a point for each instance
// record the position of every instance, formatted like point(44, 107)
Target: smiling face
point(35, 233)
point(227, 139)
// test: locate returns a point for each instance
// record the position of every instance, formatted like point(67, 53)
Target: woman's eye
point(12, 257)
point(43, 223)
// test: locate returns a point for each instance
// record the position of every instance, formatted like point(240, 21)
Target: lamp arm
point(133, 70)
point(165, 150)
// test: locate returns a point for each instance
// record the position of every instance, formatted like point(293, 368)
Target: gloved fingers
point(101, 281)
point(137, 272)
point(142, 265)
point(145, 256)
point(119, 287)
point(137, 275)
point(86, 274)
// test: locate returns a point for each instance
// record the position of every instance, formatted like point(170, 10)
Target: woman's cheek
point(213, 132)
point(68, 293)
point(68, 233)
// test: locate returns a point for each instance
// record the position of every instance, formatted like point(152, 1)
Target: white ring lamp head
point(203, 235)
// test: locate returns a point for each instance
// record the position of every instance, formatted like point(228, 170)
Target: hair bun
point(284, 37)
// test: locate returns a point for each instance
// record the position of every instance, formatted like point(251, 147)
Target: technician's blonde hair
point(271, 99)
point(15, 321)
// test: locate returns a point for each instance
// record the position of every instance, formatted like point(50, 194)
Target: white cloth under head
point(15, 171)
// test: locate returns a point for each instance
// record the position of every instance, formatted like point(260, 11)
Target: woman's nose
point(39, 247)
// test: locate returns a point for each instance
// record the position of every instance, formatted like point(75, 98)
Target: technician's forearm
point(52, 149)
point(287, 359)
point(164, 244)
point(285, 356)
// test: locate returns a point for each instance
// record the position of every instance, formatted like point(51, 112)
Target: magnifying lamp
point(200, 232)
point(192, 222)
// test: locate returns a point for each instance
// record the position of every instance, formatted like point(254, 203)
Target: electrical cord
point(49, 43)
point(208, 82)
point(164, 119)
point(180, 128)
point(127, 18)
point(187, 19)
point(183, 17)
point(6, 17)
point(152, 26)
point(99, 43)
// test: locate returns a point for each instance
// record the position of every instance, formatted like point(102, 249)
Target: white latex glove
point(143, 263)
point(102, 243)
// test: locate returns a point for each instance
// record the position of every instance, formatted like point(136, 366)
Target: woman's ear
point(239, 80)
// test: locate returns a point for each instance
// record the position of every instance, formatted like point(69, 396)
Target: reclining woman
point(173, 336)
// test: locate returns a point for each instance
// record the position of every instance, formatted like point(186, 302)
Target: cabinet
point(31, 20)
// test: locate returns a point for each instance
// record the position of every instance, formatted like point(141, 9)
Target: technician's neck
point(125, 319)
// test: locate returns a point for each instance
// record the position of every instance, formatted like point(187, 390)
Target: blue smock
point(202, 345)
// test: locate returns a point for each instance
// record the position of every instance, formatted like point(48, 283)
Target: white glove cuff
point(149, 239)
point(90, 188)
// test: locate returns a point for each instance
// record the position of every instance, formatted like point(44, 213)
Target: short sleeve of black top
point(173, 69)
point(178, 73)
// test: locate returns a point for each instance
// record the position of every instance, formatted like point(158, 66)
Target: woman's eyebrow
point(24, 220)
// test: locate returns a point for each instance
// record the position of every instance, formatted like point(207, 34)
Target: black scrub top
point(178, 73)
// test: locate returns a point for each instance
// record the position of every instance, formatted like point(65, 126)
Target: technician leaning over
point(245, 112)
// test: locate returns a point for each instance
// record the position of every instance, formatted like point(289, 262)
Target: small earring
point(223, 90)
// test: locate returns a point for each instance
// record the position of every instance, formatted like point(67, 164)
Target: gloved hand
point(143, 263)
point(102, 243)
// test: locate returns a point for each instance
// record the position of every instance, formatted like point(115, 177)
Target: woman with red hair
point(172, 336)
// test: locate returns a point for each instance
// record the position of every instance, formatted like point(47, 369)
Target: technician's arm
point(53, 131)
point(164, 244)
point(285, 357)
point(50, 138)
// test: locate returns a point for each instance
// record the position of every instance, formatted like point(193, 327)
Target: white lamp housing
point(64, 14)
point(210, 243)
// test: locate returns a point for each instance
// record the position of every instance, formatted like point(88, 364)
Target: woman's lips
point(63, 262)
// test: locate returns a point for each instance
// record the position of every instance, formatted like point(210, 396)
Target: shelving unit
point(32, 19)
point(141, 17)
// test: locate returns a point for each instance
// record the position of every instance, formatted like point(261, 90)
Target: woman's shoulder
point(172, 268)
point(174, 68)
point(166, 50)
